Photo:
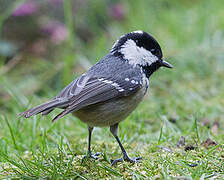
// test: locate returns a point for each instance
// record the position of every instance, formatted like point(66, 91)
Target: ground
point(178, 129)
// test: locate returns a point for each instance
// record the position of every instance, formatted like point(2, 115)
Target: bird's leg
point(114, 131)
point(89, 153)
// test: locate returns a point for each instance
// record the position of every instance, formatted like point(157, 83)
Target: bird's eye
point(157, 53)
point(152, 50)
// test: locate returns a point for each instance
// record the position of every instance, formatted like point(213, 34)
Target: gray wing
point(90, 90)
point(84, 91)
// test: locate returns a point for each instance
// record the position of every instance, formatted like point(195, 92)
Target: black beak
point(166, 64)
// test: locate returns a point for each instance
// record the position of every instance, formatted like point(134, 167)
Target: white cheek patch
point(137, 55)
point(138, 31)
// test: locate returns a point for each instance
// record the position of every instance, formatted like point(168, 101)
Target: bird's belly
point(110, 112)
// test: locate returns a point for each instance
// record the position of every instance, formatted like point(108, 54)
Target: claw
point(93, 156)
point(126, 158)
point(113, 162)
point(96, 155)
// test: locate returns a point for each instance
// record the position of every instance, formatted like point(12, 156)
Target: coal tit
point(111, 89)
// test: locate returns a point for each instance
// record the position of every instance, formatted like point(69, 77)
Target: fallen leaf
point(208, 142)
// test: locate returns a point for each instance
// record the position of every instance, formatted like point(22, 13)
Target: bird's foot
point(90, 155)
point(126, 158)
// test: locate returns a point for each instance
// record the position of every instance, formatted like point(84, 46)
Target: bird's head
point(139, 48)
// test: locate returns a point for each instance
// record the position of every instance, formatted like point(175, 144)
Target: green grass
point(185, 101)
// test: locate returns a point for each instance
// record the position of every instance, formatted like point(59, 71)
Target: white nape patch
point(138, 31)
point(137, 55)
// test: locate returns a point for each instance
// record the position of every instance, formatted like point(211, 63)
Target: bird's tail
point(45, 108)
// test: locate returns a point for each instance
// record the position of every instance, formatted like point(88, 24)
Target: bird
point(111, 89)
